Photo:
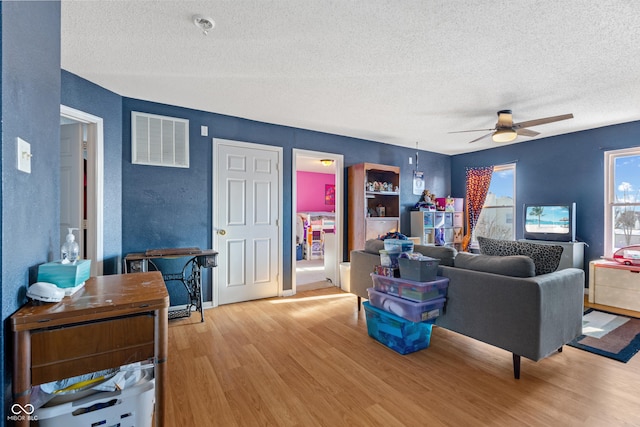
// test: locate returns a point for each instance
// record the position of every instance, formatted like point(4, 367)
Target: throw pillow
point(545, 257)
point(513, 265)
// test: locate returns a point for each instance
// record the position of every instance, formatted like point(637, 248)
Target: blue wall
point(30, 110)
point(172, 207)
point(564, 168)
point(85, 96)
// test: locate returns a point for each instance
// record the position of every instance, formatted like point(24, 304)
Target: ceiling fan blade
point(472, 130)
point(527, 132)
point(482, 137)
point(546, 120)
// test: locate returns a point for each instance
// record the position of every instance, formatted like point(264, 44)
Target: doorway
point(317, 219)
point(82, 168)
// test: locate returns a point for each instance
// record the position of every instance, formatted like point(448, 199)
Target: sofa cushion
point(445, 254)
point(374, 246)
point(512, 265)
point(545, 257)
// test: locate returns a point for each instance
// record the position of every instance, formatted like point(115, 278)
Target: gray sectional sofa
point(498, 300)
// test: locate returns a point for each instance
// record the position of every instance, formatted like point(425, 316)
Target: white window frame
point(496, 169)
point(610, 195)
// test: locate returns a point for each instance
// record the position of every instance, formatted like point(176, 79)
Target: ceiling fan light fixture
point(504, 135)
point(326, 162)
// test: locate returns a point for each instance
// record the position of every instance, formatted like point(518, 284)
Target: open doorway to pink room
point(317, 219)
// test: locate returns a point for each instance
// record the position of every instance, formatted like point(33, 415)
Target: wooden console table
point(190, 276)
point(614, 284)
point(112, 321)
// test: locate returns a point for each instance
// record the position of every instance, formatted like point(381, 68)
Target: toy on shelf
point(426, 202)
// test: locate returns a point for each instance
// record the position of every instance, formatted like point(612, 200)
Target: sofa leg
point(516, 366)
point(359, 302)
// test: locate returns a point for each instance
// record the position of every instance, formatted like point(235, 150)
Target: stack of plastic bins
point(400, 313)
point(411, 290)
point(389, 257)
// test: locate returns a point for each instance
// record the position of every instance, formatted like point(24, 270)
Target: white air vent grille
point(159, 140)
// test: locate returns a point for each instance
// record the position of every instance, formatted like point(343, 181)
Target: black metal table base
point(190, 277)
point(192, 281)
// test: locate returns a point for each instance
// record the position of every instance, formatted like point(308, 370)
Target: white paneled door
point(246, 208)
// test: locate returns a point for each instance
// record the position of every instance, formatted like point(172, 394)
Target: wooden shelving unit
point(365, 222)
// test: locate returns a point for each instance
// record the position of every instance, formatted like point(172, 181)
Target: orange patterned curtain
point(478, 180)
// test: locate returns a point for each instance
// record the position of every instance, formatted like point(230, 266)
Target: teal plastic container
point(395, 332)
point(65, 275)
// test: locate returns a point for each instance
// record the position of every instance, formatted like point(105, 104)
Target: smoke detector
point(204, 23)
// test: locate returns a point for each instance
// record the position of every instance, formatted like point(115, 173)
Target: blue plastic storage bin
point(397, 245)
point(395, 332)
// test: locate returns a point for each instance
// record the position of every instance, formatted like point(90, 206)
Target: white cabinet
point(330, 260)
point(614, 284)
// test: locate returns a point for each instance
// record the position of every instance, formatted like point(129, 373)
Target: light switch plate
point(204, 130)
point(24, 155)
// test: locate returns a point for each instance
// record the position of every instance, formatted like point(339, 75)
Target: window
point(622, 199)
point(497, 218)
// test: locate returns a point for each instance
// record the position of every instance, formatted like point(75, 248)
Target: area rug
point(609, 335)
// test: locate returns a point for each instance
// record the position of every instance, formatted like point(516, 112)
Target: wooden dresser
point(112, 321)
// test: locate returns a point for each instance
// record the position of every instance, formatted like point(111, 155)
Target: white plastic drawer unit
point(614, 284)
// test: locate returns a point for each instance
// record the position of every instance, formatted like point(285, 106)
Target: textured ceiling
point(398, 72)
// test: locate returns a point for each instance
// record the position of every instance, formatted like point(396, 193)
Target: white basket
point(131, 407)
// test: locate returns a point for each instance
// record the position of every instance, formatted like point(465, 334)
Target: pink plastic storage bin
point(413, 311)
point(408, 289)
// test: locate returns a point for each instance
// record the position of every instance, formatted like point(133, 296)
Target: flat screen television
point(552, 222)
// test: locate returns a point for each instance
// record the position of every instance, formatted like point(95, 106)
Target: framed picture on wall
point(418, 182)
point(329, 194)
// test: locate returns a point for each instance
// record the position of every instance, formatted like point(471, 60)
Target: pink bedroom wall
point(311, 188)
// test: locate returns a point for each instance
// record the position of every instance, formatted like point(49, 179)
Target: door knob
point(222, 232)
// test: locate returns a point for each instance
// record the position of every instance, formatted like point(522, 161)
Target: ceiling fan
point(506, 131)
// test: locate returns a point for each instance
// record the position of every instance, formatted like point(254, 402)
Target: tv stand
point(572, 253)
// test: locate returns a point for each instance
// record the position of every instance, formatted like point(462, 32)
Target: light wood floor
point(308, 361)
